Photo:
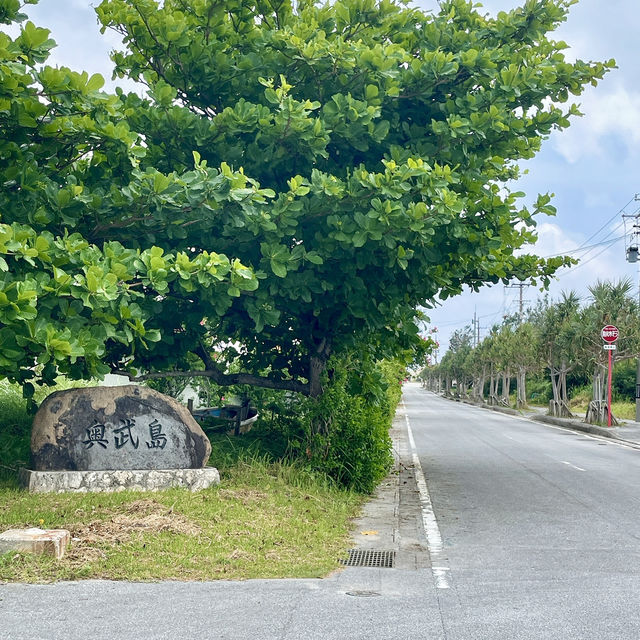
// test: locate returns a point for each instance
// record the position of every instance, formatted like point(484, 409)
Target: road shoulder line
point(439, 561)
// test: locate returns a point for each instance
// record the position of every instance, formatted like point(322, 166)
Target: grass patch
point(15, 426)
point(624, 410)
point(263, 521)
point(267, 519)
point(621, 409)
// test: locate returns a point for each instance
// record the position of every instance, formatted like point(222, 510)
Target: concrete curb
point(574, 425)
point(565, 423)
point(481, 405)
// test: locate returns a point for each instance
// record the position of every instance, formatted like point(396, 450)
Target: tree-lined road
point(541, 526)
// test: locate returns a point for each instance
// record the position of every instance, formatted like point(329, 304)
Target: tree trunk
point(476, 393)
point(493, 387)
point(483, 379)
point(316, 369)
point(559, 406)
point(598, 410)
point(506, 387)
point(565, 412)
point(521, 388)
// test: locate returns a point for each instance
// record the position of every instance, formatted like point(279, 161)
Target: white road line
point(431, 528)
point(572, 465)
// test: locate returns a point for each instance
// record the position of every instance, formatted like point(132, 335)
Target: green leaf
point(314, 258)
point(160, 182)
point(279, 269)
point(26, 120)
point(359, 238)
point(96, 82)
point(371, 91)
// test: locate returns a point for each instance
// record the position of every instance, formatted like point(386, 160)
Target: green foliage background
point(343, 434)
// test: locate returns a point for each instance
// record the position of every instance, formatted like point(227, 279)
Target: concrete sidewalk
point(392, 519)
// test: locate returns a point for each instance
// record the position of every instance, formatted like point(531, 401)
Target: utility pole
point(521, 286)
point(473, 324)
point(632, 242)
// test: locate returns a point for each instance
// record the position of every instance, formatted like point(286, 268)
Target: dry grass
point(263, 521)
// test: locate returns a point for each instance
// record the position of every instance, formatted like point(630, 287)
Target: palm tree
point(611, 303)
point(557, 325)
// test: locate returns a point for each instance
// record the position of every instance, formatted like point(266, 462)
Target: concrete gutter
point(575, 425)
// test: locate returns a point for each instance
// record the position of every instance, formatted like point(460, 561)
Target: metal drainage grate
point(369, 558)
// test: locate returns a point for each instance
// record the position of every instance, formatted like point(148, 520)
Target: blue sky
point(592, 168)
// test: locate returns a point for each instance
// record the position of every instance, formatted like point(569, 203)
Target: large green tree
point(67, 159)
point(354, 155)
point(386, 136)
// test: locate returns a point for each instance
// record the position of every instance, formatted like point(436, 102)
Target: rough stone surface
point(108, 428)
point(50, 541)
point(109, 481)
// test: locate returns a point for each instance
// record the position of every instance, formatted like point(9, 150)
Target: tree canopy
point(297, 180)
point(67, 158)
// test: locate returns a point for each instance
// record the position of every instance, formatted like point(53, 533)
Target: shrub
point(539, 390)
point(15, 431)
point(624, 380)
point(343, 434)
point(347, 428)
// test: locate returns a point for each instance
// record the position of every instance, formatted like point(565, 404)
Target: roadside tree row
point(557, 338)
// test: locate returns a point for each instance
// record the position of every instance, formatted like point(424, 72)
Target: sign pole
point(609, 334)
point(609, 392)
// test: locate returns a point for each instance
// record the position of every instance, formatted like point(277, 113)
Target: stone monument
point(116, 438)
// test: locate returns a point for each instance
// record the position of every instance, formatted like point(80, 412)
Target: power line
point(591, 259)
point(587, 248)
point(460, 323)
point(613, 217)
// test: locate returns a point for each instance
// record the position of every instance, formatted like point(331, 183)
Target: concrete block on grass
point(48, 541)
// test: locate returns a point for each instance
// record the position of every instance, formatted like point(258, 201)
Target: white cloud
point(610, 117)
point(553, 240)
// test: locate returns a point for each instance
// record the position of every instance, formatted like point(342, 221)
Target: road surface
point(540, 525)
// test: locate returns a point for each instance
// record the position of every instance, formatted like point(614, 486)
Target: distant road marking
point(572, 465)
point(431, 528)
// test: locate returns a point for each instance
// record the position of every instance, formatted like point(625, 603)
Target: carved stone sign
point(104, 428)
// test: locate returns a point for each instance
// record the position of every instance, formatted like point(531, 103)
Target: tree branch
point(223, 379)
point(216, 374)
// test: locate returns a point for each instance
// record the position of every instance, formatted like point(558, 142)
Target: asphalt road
point(541, 526)
point(533, 532)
